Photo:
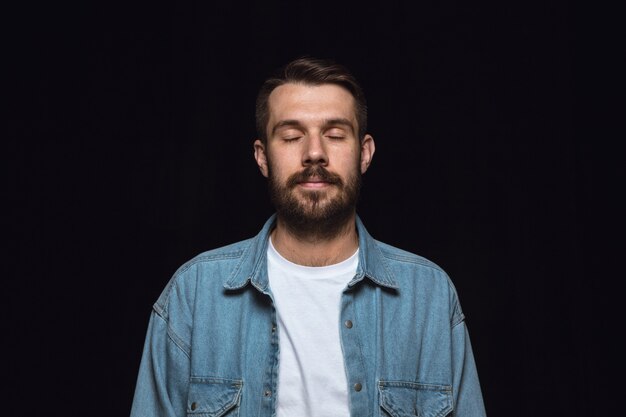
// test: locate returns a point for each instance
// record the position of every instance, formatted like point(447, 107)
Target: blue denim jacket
point(212, 344)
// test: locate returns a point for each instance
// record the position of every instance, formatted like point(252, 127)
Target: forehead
point(306, 102)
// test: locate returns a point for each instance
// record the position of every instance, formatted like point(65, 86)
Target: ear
point(261, 157)
point(367, 152)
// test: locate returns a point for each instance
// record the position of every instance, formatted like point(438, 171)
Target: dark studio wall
point(131, 152)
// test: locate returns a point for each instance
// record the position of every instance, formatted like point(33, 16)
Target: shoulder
point(214, 256)
point(210, 269)
point(419, 277)
point(396, 255)
point(405, 265)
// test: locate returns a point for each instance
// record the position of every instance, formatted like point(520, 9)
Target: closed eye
point(291, 138)
point(335, 133)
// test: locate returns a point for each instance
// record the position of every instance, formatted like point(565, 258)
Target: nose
point(314, 152)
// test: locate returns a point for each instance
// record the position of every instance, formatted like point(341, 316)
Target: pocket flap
point(212, 397)
point(410, 399)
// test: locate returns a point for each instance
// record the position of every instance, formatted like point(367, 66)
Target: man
point(312, 317)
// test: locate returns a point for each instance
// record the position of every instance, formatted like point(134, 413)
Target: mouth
point(314, 183)
point(314, 178)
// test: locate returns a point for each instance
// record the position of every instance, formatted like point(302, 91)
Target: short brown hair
point(312, 71)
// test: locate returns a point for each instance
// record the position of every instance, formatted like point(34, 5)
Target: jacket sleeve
point(163, 379)
point(468, 400)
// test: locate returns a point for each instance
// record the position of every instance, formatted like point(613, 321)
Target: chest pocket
point(412, 399)
point(214, 397)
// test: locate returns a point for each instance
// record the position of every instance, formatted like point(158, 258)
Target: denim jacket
point(212, 343)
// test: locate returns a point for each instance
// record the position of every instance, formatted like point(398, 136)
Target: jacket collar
point(252, 267)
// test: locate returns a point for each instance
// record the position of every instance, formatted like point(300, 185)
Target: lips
point(314, 184)
point(314, 180)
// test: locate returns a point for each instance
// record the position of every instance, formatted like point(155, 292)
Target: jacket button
point(357, 387)
point(267, 393)
point(348, 324)
point(194, 406)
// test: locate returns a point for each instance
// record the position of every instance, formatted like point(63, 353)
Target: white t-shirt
point(311, 378)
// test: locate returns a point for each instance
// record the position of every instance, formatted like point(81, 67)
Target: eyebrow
point(285, 123)
point(327, 123)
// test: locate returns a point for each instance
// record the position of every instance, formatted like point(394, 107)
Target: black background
point(130, 151)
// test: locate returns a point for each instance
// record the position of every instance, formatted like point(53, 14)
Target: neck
point(315, 249)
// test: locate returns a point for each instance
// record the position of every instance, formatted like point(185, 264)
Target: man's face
point(313, 158)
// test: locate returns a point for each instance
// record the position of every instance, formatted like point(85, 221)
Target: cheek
point(354, 160)
point(282, 162)
point(276, 170)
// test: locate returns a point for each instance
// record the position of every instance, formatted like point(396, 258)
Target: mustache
point(314, 171)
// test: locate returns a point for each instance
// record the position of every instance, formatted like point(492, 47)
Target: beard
point(315, 213)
